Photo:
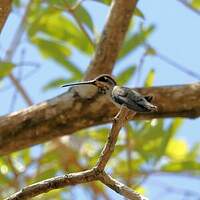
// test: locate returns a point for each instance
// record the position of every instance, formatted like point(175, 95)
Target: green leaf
point(150, 132)
point(196, 4)
point(169, 133)
point(148, 139)
point(78, 11)
point(151, 51)
point(24, 156)
point(17, 3)
point(150, 78)
point(45, 173)
point(99, 134)
point(177, 149)
point(182, 166)
point(4, 179)
point(134, 41)
point(56, 26)
point(174, 126)
point(139, 13)
point(52, 49)
point(107, 2)
point(70, 66)
point(84, 17)
point(126, 75)
point(5, 68)
point(194, 152)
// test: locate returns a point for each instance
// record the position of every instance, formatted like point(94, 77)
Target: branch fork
point(94, 174)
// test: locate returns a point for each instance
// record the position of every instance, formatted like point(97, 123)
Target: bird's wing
point(148, 98)
point(132, 99)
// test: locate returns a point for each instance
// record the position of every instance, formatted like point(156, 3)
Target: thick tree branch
point(69, 113)
point(5, 7)
point(111, 38)
point(96, 173)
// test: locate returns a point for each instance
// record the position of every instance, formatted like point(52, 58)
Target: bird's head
point(103, 82)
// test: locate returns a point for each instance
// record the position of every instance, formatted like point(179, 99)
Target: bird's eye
point(103, 79)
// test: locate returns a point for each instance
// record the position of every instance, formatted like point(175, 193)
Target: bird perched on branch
point(120, 95)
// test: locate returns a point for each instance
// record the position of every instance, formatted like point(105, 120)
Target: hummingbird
point(120, 96)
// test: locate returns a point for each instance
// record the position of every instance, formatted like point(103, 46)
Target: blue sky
point(176, 36)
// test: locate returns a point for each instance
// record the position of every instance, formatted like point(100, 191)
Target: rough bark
point(69, 113)
point(111, 38)
point(5, 7)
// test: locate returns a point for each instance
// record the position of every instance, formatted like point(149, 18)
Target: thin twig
point(11, 51)
point(112, 139)
point(120, 187)
point(21, 90)
point(96, 173)
point(178, 66)
point(128, 155)
point(54, 183)
point(139, 68)
point(72, 11)
point(174, 64)
point(15, 172)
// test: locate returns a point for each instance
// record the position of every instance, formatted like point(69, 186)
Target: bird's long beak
point(92, 82)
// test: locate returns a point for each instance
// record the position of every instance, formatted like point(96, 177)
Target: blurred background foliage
point(58, 29)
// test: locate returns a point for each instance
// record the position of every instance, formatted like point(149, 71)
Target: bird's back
point(131, 99)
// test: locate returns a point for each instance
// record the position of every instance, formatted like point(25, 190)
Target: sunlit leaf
point(139, 13)
point(84, 17)
point(150, 78)
point(147, 139)
point(54, 24)
point(107, 2)
point(23, 155)
point(52, 49)
point(5, 68)
point(194, 152)
point(76, 9)
point(140, 189)
point(169, 133)
point(46, 172)
point(149, 132)
point(99, 134)
point(175, 125)
point(182, 166)
point(177, 149)
point(122, 169)
point(151, 51)
point(126, 75)
point(195, 4)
